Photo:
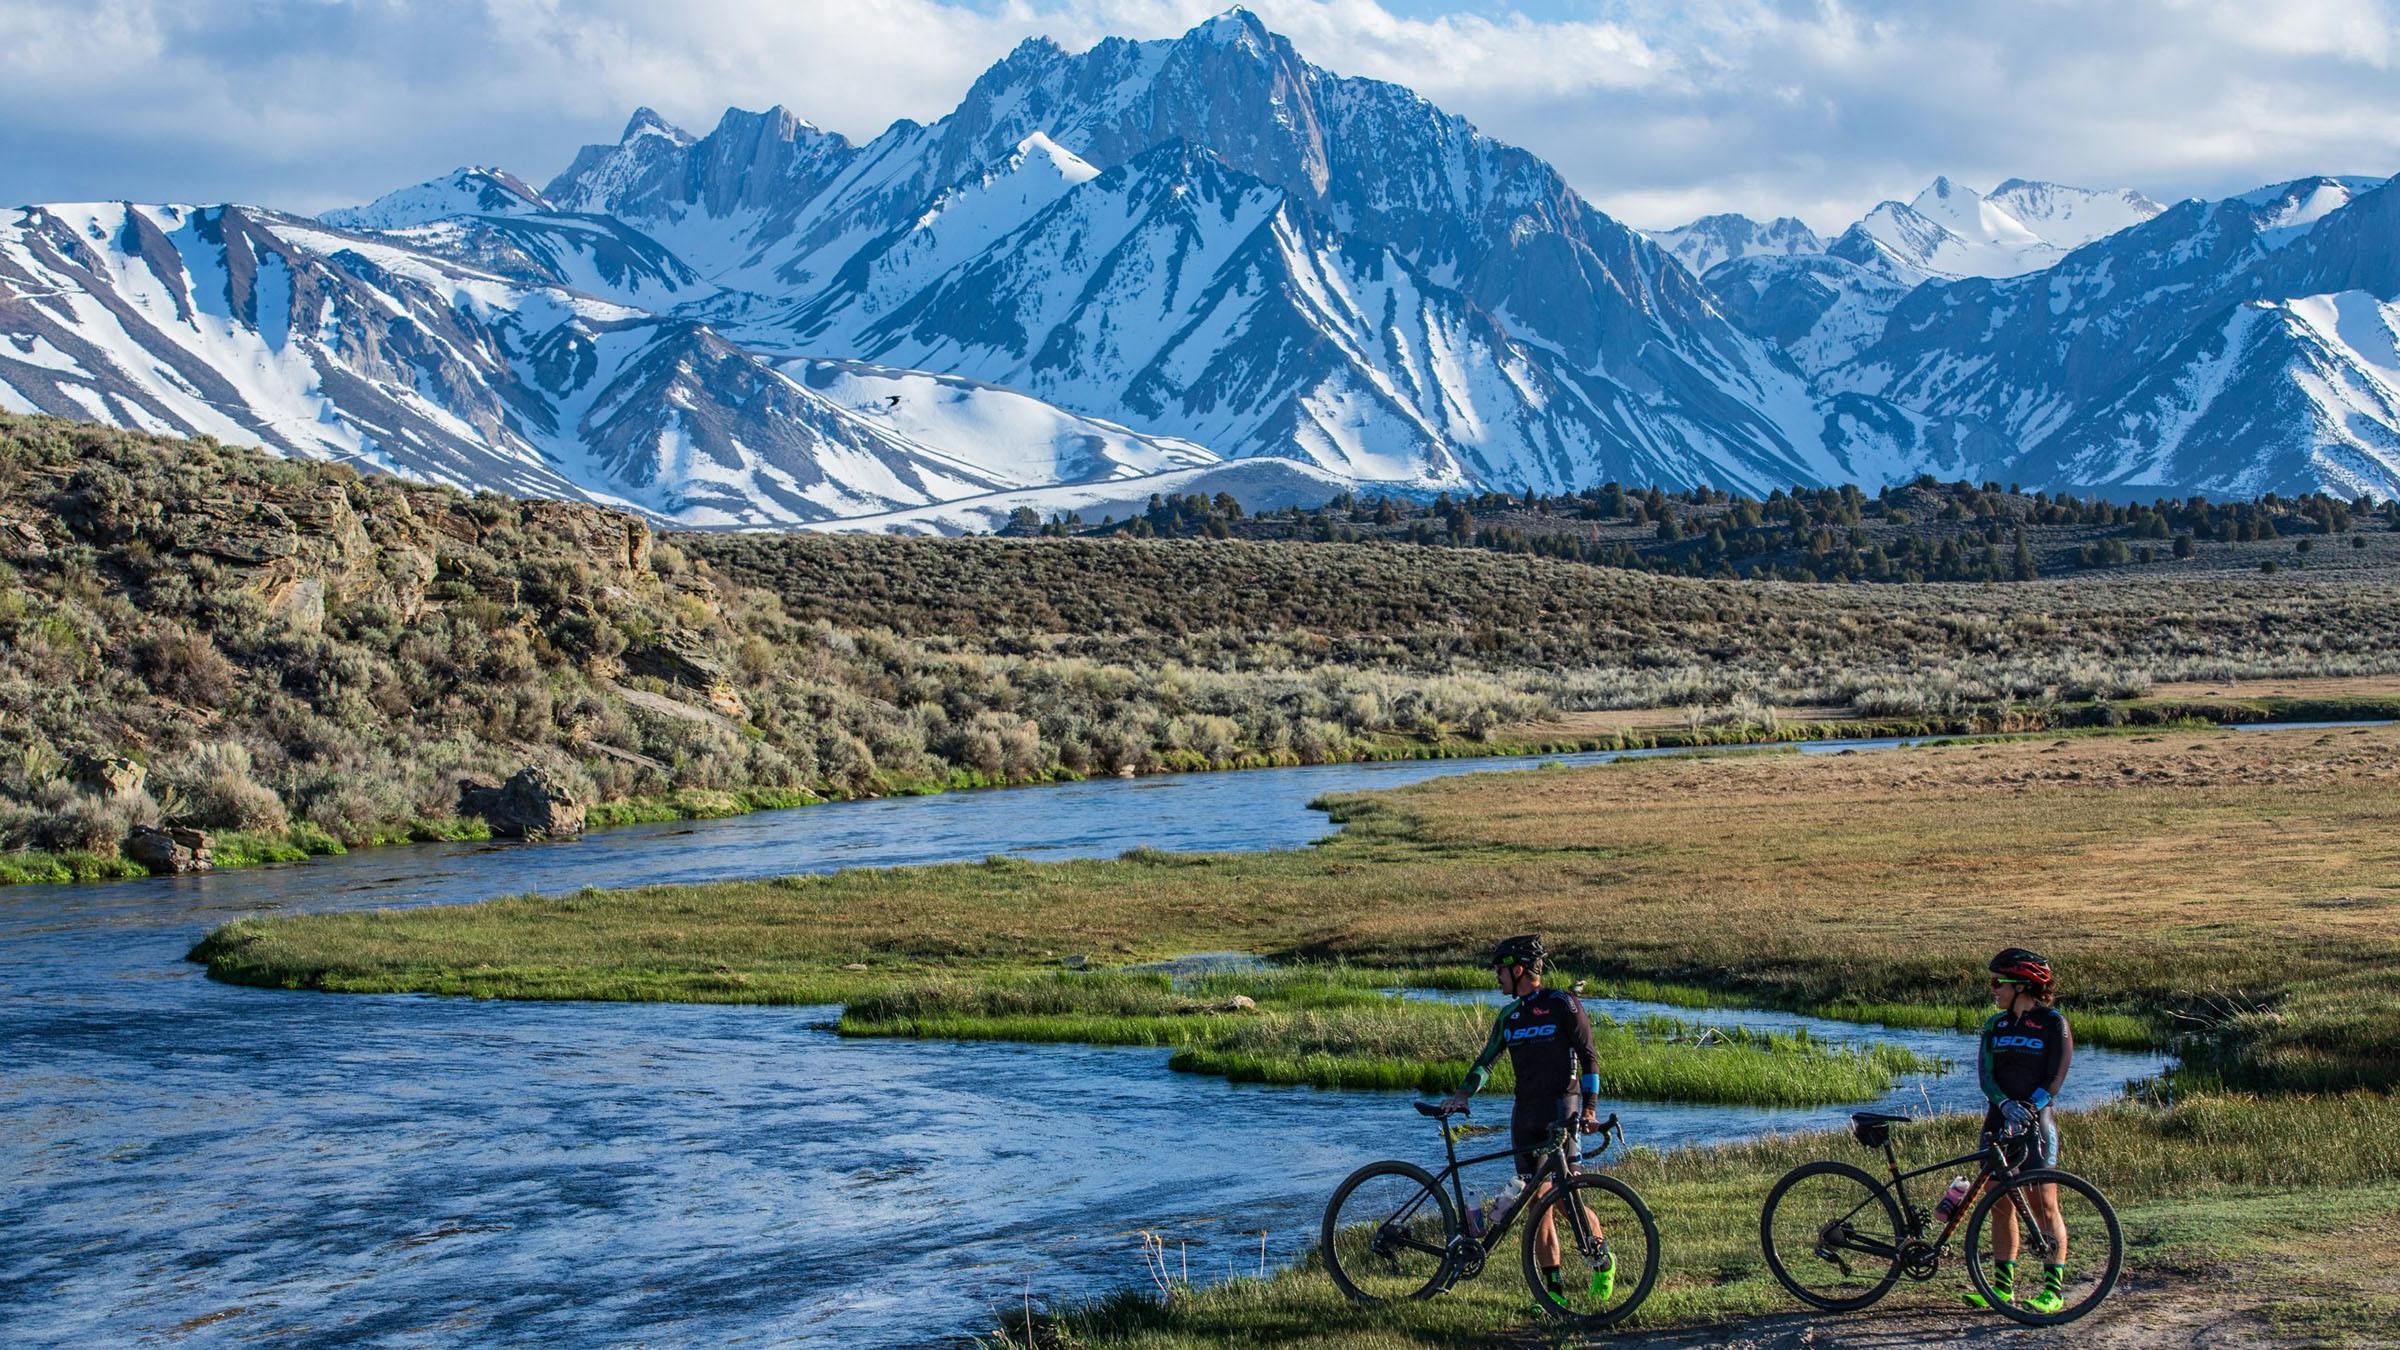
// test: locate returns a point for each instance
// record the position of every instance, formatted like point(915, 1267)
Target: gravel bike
point(1393, 1232)
point(1840, 1239)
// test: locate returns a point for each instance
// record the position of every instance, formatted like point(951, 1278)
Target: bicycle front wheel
point(1605, 1243)
point(1387, 1233)
point(2062, 1235)
point(1831, 1234)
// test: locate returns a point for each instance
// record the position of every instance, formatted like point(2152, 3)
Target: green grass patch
point(33, 865)
point(2280, 1209)
point(1333, 1029)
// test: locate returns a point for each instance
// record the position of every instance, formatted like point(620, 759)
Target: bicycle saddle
point(1879, 1118)
point(1434, 1109)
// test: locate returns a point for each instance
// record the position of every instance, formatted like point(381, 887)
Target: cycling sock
point(1551, 1277)
point(2004, 1278)
point(2054, 1278)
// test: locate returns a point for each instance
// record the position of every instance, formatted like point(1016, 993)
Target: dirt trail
point(2139, 1316)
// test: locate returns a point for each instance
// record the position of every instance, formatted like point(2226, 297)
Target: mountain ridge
point(1198, 246)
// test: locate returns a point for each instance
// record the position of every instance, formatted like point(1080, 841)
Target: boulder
point(681, 662)
point(298, 601)
point(530, 805)
point(169, 852)
point(109, 775)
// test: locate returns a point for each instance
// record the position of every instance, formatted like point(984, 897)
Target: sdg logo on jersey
point(1531, 1033)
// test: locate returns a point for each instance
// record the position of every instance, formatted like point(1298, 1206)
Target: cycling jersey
point(2024, 1056)
point(1547, 1034)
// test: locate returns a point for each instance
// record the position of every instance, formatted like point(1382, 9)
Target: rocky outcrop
point(109, 775)
point(681, 662)
point(169, 852)
point(530, 805)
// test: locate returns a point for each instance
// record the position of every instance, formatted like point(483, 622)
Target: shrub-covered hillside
point(295, 656)
point(302, 655)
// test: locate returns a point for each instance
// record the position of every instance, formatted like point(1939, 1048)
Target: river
point(200, 1163)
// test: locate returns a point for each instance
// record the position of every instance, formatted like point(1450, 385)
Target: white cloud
point(1656, 109)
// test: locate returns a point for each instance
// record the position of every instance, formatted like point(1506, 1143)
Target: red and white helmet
point(2021, 965)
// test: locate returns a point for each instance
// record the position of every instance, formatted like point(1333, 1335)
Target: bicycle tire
point(2065, 1181)
point(1791, 1282)
point(1438, 1281)
point(1559, 1194)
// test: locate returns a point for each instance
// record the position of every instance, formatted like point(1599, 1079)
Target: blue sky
point(1656, 110)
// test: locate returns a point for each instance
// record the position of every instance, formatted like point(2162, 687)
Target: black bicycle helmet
point(1524, 949)
point(2019, 964)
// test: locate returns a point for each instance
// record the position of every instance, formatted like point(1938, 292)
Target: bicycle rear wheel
point(1831, 1234)
point(1607, 1249)
point(2053, 1217)
point(1387, 1233)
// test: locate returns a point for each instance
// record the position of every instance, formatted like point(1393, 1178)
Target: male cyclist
point(1548, 1038)
point(2023, 1065)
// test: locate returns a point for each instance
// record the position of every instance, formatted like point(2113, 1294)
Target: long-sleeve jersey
point(2024, 1055)
point(1547, 1035)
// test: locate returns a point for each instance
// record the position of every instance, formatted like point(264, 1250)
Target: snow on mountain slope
point(2067, 218)
point(2308, 388)
point(591, 254)
point(2182, 349)
point(1711, 240)
point(1950, 230)
point(1173, 292)
point(462, 192)
point(1821, 309)
point(283, 332)
point(1133, 258)
point(1017, 439)
point(2022, 353)
point(1637, 370)
point(1259, 484)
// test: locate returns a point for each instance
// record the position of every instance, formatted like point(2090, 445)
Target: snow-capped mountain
point(2067, 218)
point(1710, 240)
point(1950, 230)
point(1154, 262)
point(1210, 238)
point(284, 332)
point(2193, 350)
point(1824, 306)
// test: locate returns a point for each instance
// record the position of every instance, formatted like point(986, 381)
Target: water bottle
point(1951, 1199)
point(1503, 1198)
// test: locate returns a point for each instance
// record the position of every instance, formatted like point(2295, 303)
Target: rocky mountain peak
point(646, 122)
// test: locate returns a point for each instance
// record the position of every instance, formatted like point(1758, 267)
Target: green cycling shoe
point(1604, 1277)
point(1602, 1286)
point(2004, 1286)
point(2048, 1299)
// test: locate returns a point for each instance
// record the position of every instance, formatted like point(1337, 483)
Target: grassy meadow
point(2233, 894)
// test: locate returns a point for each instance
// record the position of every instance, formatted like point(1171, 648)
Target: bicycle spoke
point(1604, 1253)
point(1389, 1237)
point(2063, 1243)
point(1832, 1237)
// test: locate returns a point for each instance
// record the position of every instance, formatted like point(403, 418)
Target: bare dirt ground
point(2134, 1318)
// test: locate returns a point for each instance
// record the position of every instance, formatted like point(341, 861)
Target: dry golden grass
point(2188, 872)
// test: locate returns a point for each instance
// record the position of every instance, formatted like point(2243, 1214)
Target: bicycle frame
point(1553, 1165)
point(1991, 1161)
